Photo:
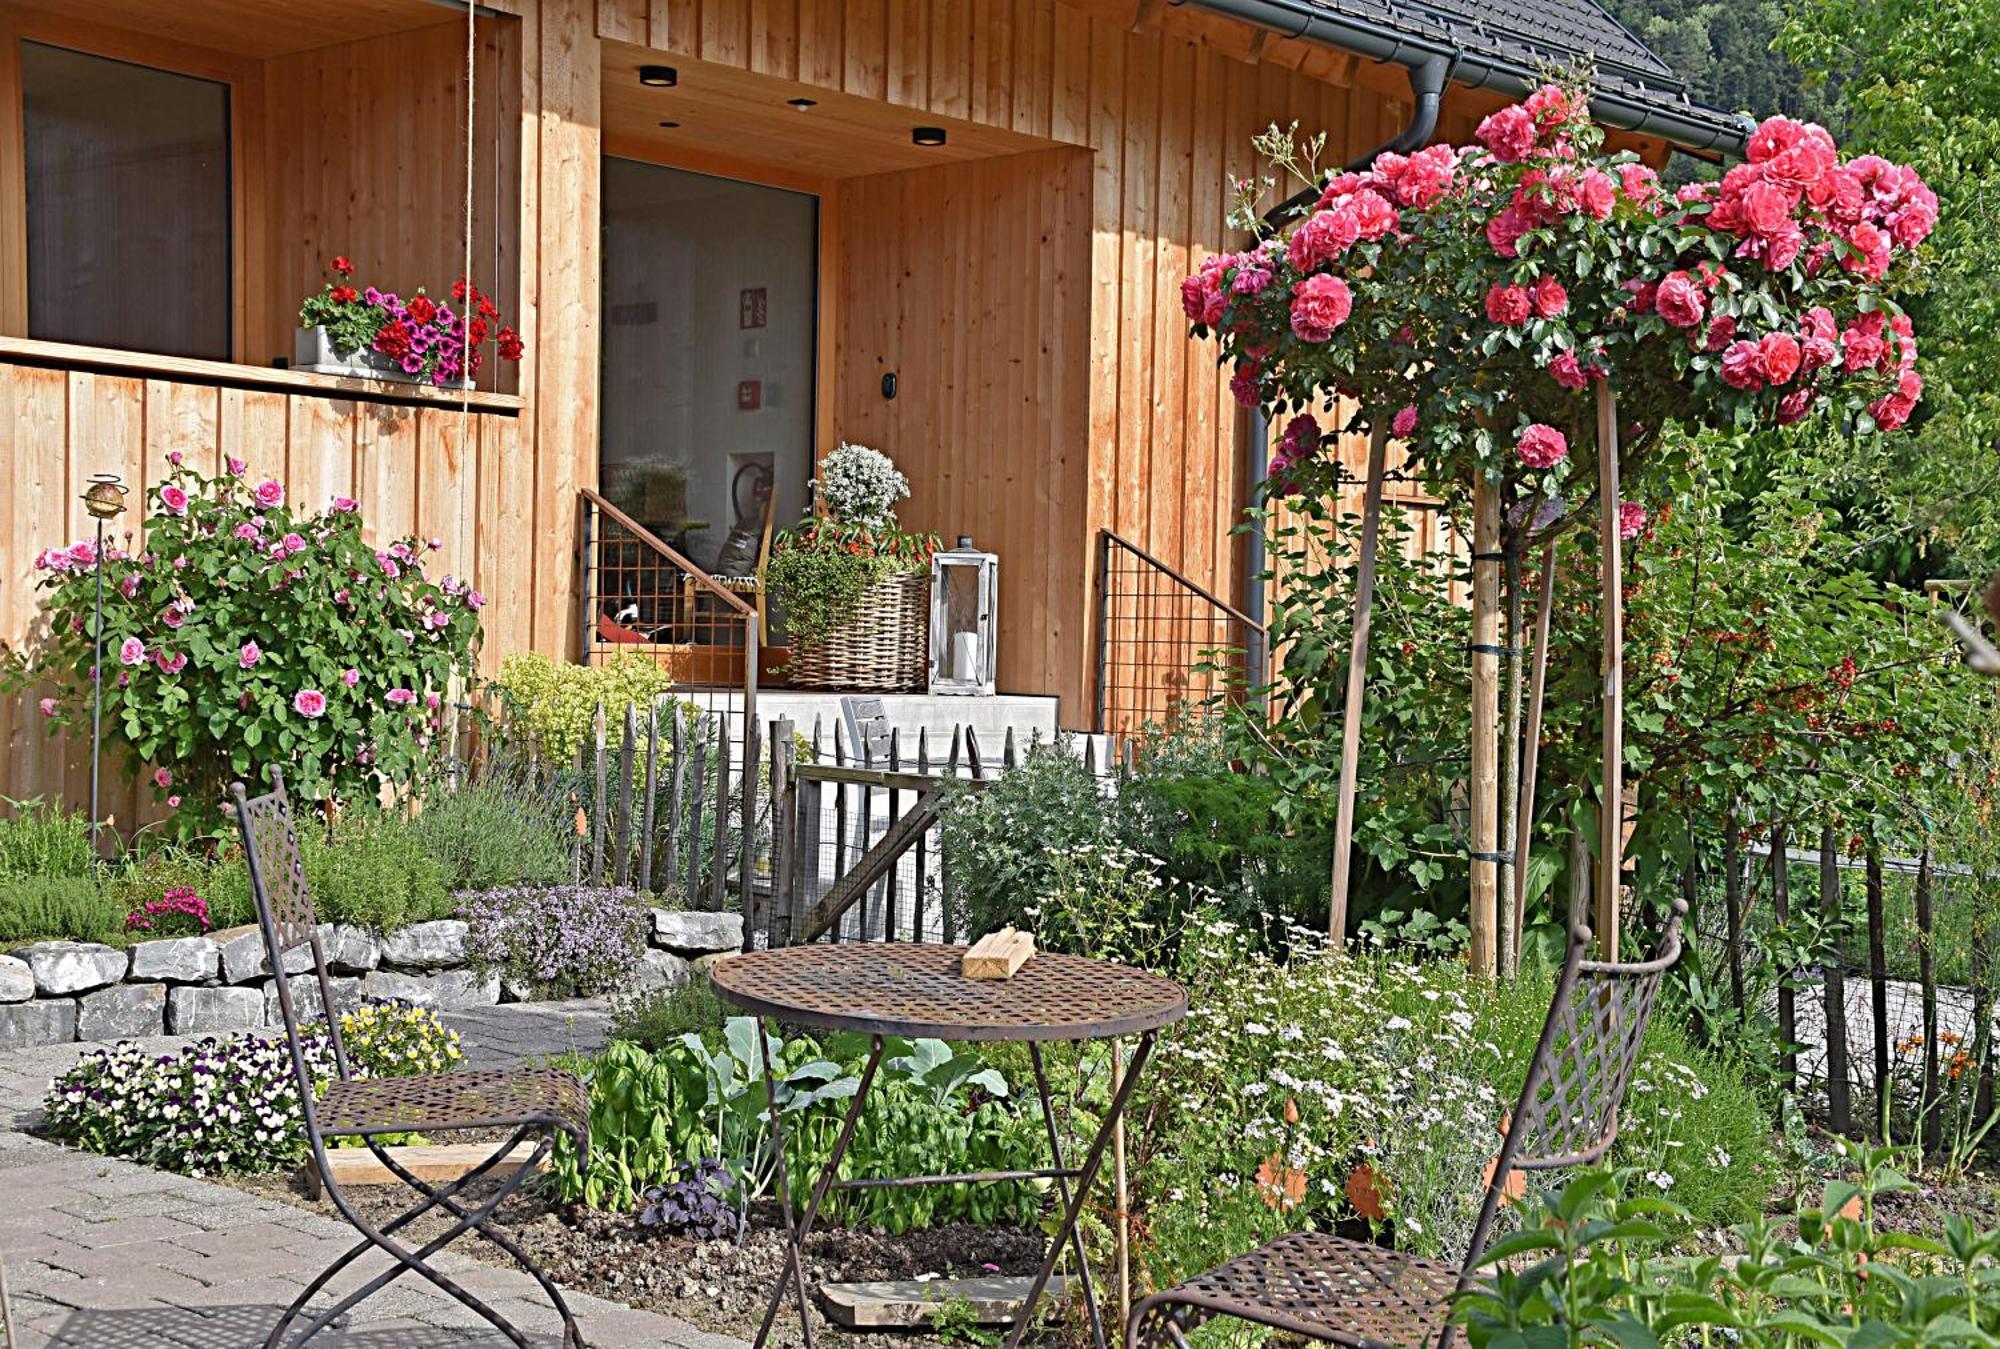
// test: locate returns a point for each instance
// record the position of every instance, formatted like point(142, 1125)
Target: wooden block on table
point(998, 955)
point(425, 1161)
point(910, 1304)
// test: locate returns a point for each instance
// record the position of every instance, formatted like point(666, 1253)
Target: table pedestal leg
point(1062, 1188)
point(797, 1231)
point(1073, 1207)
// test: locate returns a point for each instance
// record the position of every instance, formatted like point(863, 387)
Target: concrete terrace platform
point(109, 1254)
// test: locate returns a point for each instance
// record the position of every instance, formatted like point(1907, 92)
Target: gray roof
point(1531, 34)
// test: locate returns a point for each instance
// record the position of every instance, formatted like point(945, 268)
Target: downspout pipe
point(1428, 76)
point(1302, 19)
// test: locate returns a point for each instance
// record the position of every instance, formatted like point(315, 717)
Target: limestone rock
point(121, 1012)
point(447, 988)
point(306, 1000)
point(353, 950)
point(387, 985)
point(179, 960)
point(661, 970)
point(209, 1011)
point(45, 1021)
point(17, 980)
point(243, 956)
point(426, 946)
point(697, 933)
point(63, 967)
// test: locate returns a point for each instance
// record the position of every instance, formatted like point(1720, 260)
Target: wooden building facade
point(999, 311)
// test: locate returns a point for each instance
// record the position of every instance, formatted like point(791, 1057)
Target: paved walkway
point(113, 1255)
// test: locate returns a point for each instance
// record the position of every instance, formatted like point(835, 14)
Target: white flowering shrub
point(1366, 1094)
point(860, 486)
point(222, 1107)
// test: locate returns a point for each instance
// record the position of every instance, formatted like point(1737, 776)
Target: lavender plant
point(693, 1204)
point(560, 940)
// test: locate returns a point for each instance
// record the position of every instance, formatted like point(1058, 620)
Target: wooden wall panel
point(366, 155)
point(415, 469)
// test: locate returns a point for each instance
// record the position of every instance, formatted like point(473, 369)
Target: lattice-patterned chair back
point(285, 907)
point(1567, 1114)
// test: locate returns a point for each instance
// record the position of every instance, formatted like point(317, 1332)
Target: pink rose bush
point(1484, 289)
point(248, 633)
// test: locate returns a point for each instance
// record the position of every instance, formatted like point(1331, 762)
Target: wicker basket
point(883, 648)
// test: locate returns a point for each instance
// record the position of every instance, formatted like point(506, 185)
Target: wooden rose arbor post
point(1436, 281)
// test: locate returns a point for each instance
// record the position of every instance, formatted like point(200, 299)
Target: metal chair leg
point(572, 1334)
point(408, 1261)
point(1062, 1189)
point(365, 1244)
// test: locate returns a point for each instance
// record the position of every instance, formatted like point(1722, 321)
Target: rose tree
point(1486, 303)
point(247, 633)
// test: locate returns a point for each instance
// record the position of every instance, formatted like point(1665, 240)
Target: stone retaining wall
point(63, 990)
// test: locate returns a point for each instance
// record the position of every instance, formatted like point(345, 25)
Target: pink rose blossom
point(309, 702)
point(173, 803)
point(174, 499)
point(350, 677)
point(132, 651)
point(1406, 422)
point(174, 457)
point(247, 532)
point(1541, 446)
point(48, 706)
point(475, 601)
point(170, 662)
point(1509, 134)
point(1323, 237)
point(293, 543)
point(345, 505)
point(237, 468)
point(400, 697)
point(1631, 520)
point(130, 585)
point(270, 494)
point(1320, 304)
point(1742, 366)
point(1680, 300)
point(163, 778)
point(1508, 304)
point(249, 655)
point(1550, 299)
point(1778, 354)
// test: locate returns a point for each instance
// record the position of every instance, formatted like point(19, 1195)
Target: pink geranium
point(309, 702)
point(1541, 446)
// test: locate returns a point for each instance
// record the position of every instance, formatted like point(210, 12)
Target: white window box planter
point(312, 350)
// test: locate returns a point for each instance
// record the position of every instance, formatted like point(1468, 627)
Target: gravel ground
point(716, 1285)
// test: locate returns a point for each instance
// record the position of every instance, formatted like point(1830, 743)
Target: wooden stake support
point(1357, 679)
point(1611, 813)
point(1531, 741)
point(1484, 842)
point(997, 955)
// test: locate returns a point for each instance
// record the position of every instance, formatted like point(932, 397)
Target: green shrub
point(656, 1019)
point(1592, 1265)
point(376, 872)
point(555, 701)
point(489, 834)
point(41, 839)
point(80, 909)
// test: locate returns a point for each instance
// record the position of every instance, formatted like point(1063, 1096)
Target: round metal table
point(915, 991)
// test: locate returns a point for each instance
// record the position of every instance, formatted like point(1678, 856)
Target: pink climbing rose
point(174, 499)
point(1631, 519)
point(1508, 304)
point(270, 494)
point(1541, 446)
point(309, 702)
point(163, 778)
point(132, 651)
point(400, 697)
point(1320, 304)
point(249, 655)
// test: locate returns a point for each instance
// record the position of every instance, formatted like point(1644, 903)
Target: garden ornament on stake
point(103, 500)
point(1482, 290)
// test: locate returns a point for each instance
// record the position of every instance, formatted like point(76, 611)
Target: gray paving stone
point(692, 933)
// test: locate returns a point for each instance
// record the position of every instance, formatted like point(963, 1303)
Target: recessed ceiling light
point(801, 104)
point(659, 77)
point(927, 135)
point(670, 125)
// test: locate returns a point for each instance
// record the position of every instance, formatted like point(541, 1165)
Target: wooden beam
point(872, 866)
point(425, 1161)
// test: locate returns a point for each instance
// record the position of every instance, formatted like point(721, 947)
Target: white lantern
point(965, 606)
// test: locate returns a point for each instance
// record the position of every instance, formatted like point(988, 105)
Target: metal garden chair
point(1352, 1293)
point(532, 1103)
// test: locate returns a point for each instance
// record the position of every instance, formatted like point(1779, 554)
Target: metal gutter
point(1613, 108)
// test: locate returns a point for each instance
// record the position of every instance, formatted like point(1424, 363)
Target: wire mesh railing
point(1165, 645)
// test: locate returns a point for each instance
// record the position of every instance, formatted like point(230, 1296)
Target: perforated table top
point(911, 989)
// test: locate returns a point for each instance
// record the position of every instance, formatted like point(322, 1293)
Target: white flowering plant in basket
point(821, 568)
point(860, 486)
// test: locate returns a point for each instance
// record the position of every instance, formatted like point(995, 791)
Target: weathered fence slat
point(746, 834)
point(1732, 900)
point(1927, 1101)
point(1839, 1115)
point(1878, 987)
point(1781, 914)
point(628, 748)
point(697, 787)
point(718, 855)
point(652, 794)
point(884, 853)
point(597, 811)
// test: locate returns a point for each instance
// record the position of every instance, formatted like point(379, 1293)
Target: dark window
point(128, 205)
